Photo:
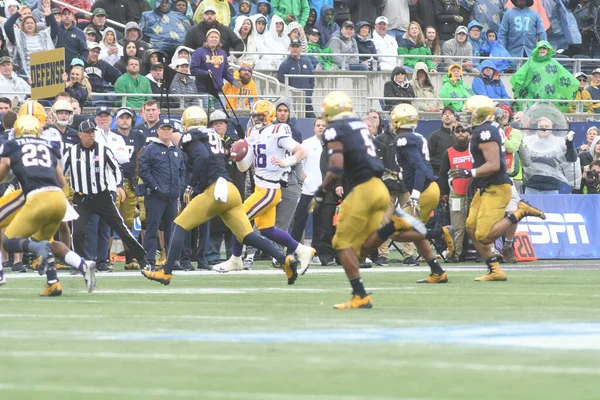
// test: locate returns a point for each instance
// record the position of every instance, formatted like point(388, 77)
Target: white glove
point(570, 136)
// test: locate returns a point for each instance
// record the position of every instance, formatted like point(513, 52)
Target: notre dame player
point(487, 220)
point(218, 197)
point(352, 156)
point(34, 162)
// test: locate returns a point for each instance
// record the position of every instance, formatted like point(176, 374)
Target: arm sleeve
point(541, 32)
point(571, 153)
point(413, 155)
point(478, 86)
point(112, 74)
point(503, 31)
point(275, 8)
point(281, 72)
point(51, 22)
point(335, 47)
point(287, 143)
point(440, 17)
point(83, 49)
point(443, 175)
point(144, 162)
point(9, 27)
point(305, 11)
point(114, 165)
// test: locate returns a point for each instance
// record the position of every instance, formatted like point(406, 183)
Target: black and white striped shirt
point(91, 169)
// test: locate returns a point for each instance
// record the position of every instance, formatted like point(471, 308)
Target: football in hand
point(239, 150)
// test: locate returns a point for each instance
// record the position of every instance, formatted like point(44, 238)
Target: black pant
point(158, 209)
point(300, 217)
point(102, 204)
point(324, 231)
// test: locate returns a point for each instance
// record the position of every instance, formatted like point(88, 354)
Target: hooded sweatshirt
point(268, 16)
point(490, 87)
point(176, 57)
point(249, 43)
point(238, 15)
point(295, 176)
point(460, 52)
point(339, 44)
point(326, 28)
point(275, 43)
point(112, 59)
point(454, 88)
point(425, 90)
point(140, 43)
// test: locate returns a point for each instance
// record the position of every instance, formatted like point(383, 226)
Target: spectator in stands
point(367, 10)
point(243, 12)
point(110, 50)
point(5, 104)
point(133, 33)
point(398, 17)
point(296, 32)
point(291, 10)
point(582, 94)
point(263, 7)
point(196, 36)
point(542, 77)
point(245, 31)
point(184, 84)
point(92, 35)
point(130, 50)
point(137, 8)
point(324, 62)
point(493, 48)
point(517, 37)
point(99, 20)
point(413, 44)
point(375, 115)
point(385, 44)
point(164, 27)
point(28, 40)
point(590, 181)
point(488, 83)
point(455, 88)
point(586, 13)
point(326, 24)
point(155, 76)
point(296, 64)
point(587, 151)
point(260, 31)
point(447, 14)
point(151, 57)
point(244, 74)
point(460, 51)
point(219, 7)
point(133, 82)
point(594, 89)
point(487, 12)
point(311, 20)
point(365, 43)
point(78, 85)
point(181, 52)
point(184, 7)
point(442, 139)
point(343, 42)
point(475, 40)
point(423, 88)
point(3, 49)
point(10, 83)
point(432, 41)
point(102, 75)
point(118, 10)
point(277, 42)
point(71, 38)
point(398, 86)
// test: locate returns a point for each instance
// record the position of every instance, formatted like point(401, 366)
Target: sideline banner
point(571, 229)
point(47, 68)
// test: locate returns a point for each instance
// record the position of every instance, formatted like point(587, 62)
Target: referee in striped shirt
point(89, 165)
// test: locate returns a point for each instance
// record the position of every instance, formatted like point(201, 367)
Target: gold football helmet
point(480, 109)
point(264, 108)
point(404, 116)
point(61, 105)
point(336, 104)
point(194, 117)
point(27, 125)
point(35, 109)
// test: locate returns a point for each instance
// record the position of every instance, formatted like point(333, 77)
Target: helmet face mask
point(27, 125)
point(480, 109)
point(336, 105)
point(194, 117)
point(263, 113)
point(404, 117)
point(57, 113)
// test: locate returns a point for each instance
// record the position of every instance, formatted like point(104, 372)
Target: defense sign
point(47, 68)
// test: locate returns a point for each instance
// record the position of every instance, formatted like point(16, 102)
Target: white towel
point(221, 190)
point(70, 214)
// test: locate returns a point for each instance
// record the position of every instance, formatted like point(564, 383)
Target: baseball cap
point(448, 108)
point(5, 59)
point(99, 11)
point(165, 122)
point(295, 43)
point(313, 31)
point(210, 8)
point(348, 24)
point(93, 45)
point(596, 71)
point(157, 65)
point(87, 126)
point(77, 61)
point(461, 29)
point(125, 110)
point(381, 20)
point(102, 110)
point(218, 115)
point(181, 61)
point(507, 108)
point(580, 75)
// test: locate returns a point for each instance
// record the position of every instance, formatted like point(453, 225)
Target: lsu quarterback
point(273, 152)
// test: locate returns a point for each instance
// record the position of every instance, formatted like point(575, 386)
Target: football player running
point(352, 156)
point(273, 153)
point(218, 197)
point(487, 219)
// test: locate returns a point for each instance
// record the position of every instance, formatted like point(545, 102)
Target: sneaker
point(233, 264)
point(2, 278)
point(435, 278)
point(187, 266)
point(410, 261)
point(304, 254)
point(331, 263)
point(103, 267)
point(366, 263)
point(356, 302)
point(132, 266)
point(448, 237)
point(52, 290)
point(495, 273)
point(204, 266)
point(403, 221)
point(176, 266)
point(508, 254)
point(381, 261)
point(291, 269)
point(158, 276)
point(88, 270)
point(162, 259)
point(524, 209)
point(19, 267)
point(248, 264)
point(275, 264)
point(452, 260)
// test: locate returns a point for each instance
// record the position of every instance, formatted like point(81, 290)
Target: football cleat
point(19, 267)
point(305, 255)
point(42, 250)
point(158, 276)
point(132, 266)
point(248, 264)
point(495, 273)
point(88, 270)
point(403, 221)
point(162, 259)
point(435, 278)
point(52, 290)
point(356, 302)
point(62, 267)
point(291, 269)
point(448, 237)
point(410, 261)
point(233, 264)
point(525, 209)
point(508, 254)
point(2, 278)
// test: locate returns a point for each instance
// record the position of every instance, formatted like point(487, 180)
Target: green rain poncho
point(325, 61)
point(544, 78)
point(454, 88)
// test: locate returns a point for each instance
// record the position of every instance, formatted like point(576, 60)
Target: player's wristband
point(289, 161)
point(474, 172)
point(336, 171)
point(415, 194)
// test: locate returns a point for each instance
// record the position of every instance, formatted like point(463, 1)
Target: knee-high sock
point(237, 247)
point(280, 236)
point(176, 243)
point(255, 240)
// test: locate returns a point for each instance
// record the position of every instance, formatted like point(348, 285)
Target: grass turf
point(251, 336)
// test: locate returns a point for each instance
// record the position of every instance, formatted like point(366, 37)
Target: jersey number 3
point(368, 142)
point(36, 155)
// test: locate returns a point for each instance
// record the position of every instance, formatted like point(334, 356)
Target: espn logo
point(555, 228)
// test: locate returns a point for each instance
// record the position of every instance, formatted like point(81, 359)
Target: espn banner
point(571, 229)
point(47, 68)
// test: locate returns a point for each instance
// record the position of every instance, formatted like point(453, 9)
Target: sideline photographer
point(590, 182)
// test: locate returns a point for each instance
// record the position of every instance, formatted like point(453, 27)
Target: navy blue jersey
point(133, 143)
point(360, 156)
point(152, 132)
point(488, 132)
point(69, 139)
point(412, 156)
point(205, 153)
point(33, 161)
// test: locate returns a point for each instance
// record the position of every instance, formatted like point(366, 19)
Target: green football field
point(249, 335)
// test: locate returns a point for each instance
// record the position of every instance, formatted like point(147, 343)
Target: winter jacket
point(475, 44)
point(117, 10)
point(298, 8)
point(408, 47)
point(184, 85)
point(9, 86)
point(595, 94)
point(127, 84)
point(73, 40)
point(426, 16)
point(424, 91)
point(495, 49)
point(222, 8)
point(445, 11)
point(340, 45)
point(586, 107)
point(79, 92)
point(460, 52)
point(156, 25)
point(196, 36)
point(146, 66)
point(267, 17)
point(438, 142)
point(366, 10)
point(303, 66)
point(364, 46)
point(295, 175)
point(492, 88)
point(111, 59)
point(392, 89)
point(512, 35)
point(544, 78)
point(454, 88)
point(101, 73)
point(141, 44)
point(162, 168)
point(326, 29)
point(248, 89)
point(205, 59)
point(325, 61)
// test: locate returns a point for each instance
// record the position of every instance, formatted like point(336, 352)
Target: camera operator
point(590, 182)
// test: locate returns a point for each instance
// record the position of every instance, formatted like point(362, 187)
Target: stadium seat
point(567, 64)
point(586, 66)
